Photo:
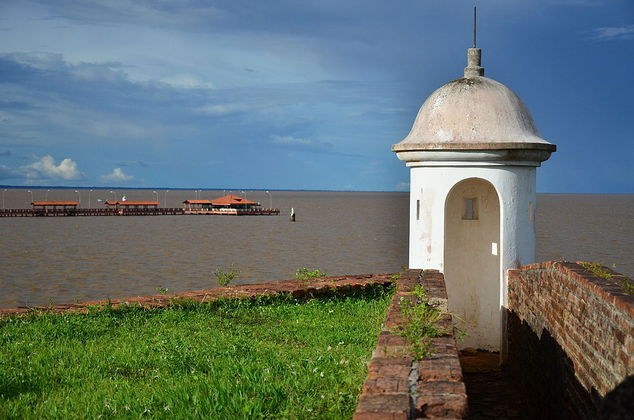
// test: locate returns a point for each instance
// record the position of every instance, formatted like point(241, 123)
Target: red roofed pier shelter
point(133, 207)
point(230, 205)
point(196, 205)
point(133, 204)
point(54, 208)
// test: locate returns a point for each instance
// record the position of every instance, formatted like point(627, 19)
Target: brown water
point(67, 259)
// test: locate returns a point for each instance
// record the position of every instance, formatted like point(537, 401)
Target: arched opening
point(472, 261)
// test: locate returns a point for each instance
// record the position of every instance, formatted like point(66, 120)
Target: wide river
point(69, 259)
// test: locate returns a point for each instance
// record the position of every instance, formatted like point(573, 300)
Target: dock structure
point(61, 212)
point(224, 206)
point(230, 205)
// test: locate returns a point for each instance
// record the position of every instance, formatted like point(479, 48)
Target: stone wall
point(570, 336)
point(399, 387)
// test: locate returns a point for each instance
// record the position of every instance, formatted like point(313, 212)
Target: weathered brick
point(386, 385)
point(447, 405)
point(384, 403)
point(395, 352)
point(447, 369)
point(365, 415)
point(441, 388)
point(387, 338)
point(375, 362)
point(391, 369)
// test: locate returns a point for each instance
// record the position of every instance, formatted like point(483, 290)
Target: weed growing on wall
point(226, 277)
point(305, 273)
point(602, 272)
point(421, 323)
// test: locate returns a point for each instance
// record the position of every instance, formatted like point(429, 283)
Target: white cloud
point(221, 109)
point(302, 144)
point(402, 186)
point(45, 168)
point(117, 176)
point(187, 81)
point(290, 140)
point(616, 32)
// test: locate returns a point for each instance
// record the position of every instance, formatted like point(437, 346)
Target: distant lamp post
point(89, 199)
point(165, 198)
point(270, 199)
point(114, 197)
point(46, 195)
point(3, 191)
point(78, 197)
point(31, 192)
point(156, 195)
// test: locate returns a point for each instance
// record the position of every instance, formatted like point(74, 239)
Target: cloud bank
point(46, 169)
point(614, 33)
point(117, 176)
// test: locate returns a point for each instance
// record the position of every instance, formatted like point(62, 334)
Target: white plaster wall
point(431, 184)
point(472, 262)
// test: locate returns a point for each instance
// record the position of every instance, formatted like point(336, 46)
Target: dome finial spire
point(475, 27)
point(474, 54)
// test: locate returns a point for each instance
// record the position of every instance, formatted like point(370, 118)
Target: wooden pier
point(235, 212)
point(224, 206)
point(161, 211)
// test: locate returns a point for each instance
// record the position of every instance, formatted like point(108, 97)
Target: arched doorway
point(472, 261)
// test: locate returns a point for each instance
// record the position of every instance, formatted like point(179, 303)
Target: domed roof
point(470, 113)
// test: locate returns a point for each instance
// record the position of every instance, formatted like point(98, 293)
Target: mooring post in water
point(292, 214)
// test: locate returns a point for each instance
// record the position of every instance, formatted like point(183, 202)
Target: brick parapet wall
point(397, 386)
point(570, 335)
point(297, 288)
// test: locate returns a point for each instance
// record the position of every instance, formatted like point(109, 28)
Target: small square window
point(470, 209)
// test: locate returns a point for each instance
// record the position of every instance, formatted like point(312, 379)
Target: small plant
point(162, 290)
point(601, 272)
point(226, 277)
point(420, 293)
point(421, 323)
point(598, 270)
point(395, 276)
point(305, 273)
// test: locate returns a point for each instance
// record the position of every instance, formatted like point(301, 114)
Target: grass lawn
point(272, 358)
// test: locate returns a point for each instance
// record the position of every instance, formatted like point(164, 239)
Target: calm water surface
point(60, 260)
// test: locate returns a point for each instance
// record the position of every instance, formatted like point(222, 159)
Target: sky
point(287, 94)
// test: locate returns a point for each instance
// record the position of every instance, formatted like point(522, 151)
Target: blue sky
point(287, 94)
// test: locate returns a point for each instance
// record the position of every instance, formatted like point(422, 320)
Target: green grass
point(271, 358)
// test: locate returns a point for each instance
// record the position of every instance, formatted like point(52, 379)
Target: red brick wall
point(570, 336)
point(297, 288)
point(397, 386)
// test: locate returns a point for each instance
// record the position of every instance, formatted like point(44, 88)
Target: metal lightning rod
point(475, 26)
